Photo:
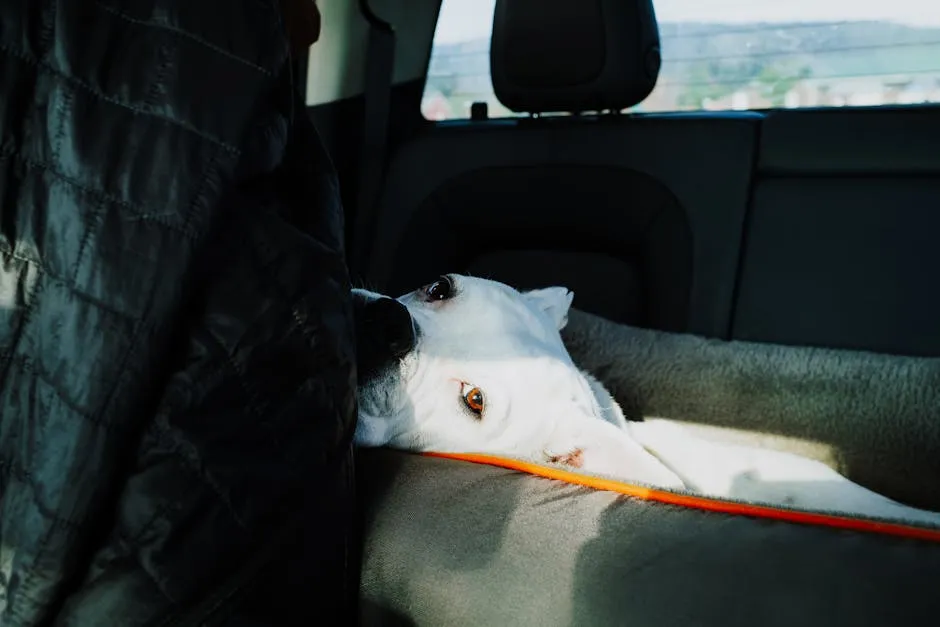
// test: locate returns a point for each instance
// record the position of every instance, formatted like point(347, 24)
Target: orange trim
point(700, 502)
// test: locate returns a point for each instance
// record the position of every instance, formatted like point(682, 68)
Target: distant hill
point(827, 49)
point(732, 54)
point(703, 61)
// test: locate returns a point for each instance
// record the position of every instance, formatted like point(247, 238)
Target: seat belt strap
point(380, 62)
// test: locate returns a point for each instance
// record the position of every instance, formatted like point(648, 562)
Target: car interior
point(811, 228)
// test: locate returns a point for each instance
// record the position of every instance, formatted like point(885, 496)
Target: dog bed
point(474, 540)
point(874, 418)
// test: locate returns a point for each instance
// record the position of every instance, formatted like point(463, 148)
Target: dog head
point(470, 365)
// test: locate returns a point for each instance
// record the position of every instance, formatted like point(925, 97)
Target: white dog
point(471, 365)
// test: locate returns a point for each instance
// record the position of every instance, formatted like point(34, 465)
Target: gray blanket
point(874, 418)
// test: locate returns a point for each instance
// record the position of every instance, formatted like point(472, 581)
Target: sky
point(464, 20)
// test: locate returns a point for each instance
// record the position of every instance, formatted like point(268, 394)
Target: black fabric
point(177, 374)
point(579, 195)
point(841, 247)
point(622, 215)
point(558, 55)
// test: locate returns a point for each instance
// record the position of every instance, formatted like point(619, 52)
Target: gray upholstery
point(850, 142)
point(454, 195)
point(632, 218)
point(874, 418)
point(453, 543)
point(841, 249)
point(601, 204)
point(559, 55)
point(776, 245)
point(617, 297)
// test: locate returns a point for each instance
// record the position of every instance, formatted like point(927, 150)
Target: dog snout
point(391, 324)
point(385, 332)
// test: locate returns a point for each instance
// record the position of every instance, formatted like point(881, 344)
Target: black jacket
point(177, 376)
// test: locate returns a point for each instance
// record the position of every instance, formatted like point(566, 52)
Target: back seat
point(843, 243)
point(640, 216)
point(824, 235)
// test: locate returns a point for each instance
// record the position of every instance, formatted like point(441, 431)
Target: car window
point(732, 55)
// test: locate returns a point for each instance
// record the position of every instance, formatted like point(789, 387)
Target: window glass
point(732, 55)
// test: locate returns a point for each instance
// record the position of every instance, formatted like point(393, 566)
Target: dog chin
point(371, 431)
point(382, 398)
point(383, 402)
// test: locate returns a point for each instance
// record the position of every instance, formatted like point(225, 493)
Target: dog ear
point(554, 301)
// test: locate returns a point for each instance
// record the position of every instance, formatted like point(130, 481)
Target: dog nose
point(393, 326)
point(387, 327)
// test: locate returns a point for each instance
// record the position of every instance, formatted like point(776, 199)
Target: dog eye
point(442, 289)
point(472, 398)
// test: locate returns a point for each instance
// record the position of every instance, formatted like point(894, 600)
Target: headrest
point(573, 55)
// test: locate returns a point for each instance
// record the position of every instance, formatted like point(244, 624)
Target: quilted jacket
point(177, 369)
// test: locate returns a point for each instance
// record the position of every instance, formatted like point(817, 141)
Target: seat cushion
point(453, 543)
point(628, 253)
